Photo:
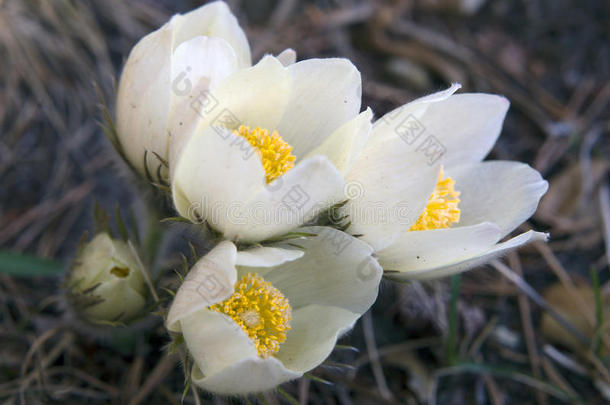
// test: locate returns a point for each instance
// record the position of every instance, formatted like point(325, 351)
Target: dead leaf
point(559, 298)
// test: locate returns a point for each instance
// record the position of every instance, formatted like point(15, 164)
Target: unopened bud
point(106, 283)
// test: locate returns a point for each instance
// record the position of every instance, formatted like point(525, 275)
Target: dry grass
point(420, 343)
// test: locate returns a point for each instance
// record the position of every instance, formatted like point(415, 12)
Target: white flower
point(254, 319)
point(106, 283)
point(275, 150)
point(167, 70)
point(441, 219)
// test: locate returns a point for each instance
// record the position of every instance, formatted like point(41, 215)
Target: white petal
point(466, 125)
point(202, 57)
point(265, 256)
point(199, 64)
point(505, 193)
point(289, 201)
point(419, 250)
point(325, 94)
point(313, 334)
point(404, 120)
point(143, 99)
point(336, 270)
point(250, 375)
point(346, 143)
point(451, 129)
point(438, 96)
point(467, 263)
point(213, 20)
point(215, 341)
point(210, 280)
point(256, 96)
point(391, 185)
point(287, 57)
point(214, 177)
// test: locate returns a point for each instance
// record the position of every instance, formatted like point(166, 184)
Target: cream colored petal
point(101, 251)
point(143, 99)
point(461, 128)
point(346, 143)
point(199, 64)
point(404, 120)
point(313, 335)
point(505, 193)
point(336, 270)
point(465, 125)
point(388, 187)
point(202, 57)
point(420, 250)
point(256, 96)
point(265, 256)
point(215, 176)
point(289, 201)
point(288, 56)
point(325, 93)
point(209, 281)
point(250, 375)
point(213, 20)
point(120, 302)
point(215, 341)
point(467, 263)
point(450, 129)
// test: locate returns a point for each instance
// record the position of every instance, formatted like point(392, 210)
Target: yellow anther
point(275, 153)
point(261, 310)
point(442, 208)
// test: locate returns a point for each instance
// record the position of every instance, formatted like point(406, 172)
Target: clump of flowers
point(263, 156)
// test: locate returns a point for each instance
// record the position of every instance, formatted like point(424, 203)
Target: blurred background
point(488, 337)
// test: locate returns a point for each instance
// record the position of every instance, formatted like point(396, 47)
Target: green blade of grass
point(515, 375)
point(292, 400)
point(23, 265)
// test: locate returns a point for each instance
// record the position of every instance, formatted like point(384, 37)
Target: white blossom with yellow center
point(254, 319)
point(427, 156)
point(274, 152)
point(167, 74)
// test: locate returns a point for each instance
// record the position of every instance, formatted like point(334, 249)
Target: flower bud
point(106, 283)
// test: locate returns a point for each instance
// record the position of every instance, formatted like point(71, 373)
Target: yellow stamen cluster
point(442, 208)
point(261, 311)
point(275, 153)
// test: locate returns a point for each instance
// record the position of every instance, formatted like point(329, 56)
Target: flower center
point(275, 153)
point(442, 208)
point(261, 310)
point(120, 272)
